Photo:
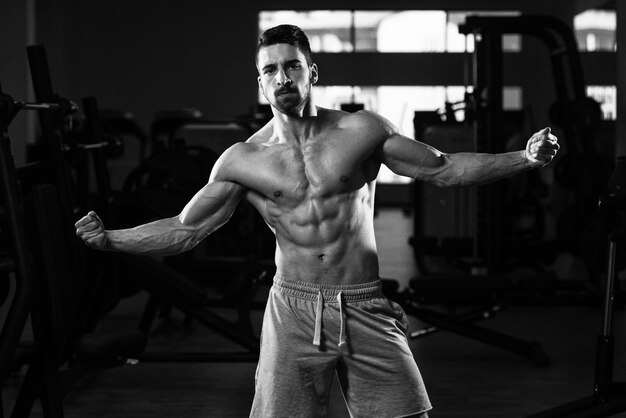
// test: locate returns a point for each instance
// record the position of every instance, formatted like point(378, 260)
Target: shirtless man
point(310, 172)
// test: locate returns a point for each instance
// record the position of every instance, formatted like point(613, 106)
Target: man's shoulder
point(366, 126)
point(342, 118)
point(237, 159)
point(241, 153)
point(240, 150)
point(365, 120)
point(260, 137)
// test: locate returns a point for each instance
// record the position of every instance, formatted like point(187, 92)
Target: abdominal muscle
point(325, 240)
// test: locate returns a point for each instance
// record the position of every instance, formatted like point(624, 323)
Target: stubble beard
point(292, 106)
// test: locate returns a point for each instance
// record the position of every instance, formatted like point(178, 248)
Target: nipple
point(278, 193)
point(344, 178)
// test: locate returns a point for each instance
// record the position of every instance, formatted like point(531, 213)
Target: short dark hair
point(286, 34)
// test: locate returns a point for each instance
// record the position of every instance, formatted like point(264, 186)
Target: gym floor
point(465, 378)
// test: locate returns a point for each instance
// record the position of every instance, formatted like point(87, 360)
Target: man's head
point(286, 34)
point(286, 72)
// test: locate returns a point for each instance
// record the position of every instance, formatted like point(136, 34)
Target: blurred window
point(607, 97)
point(595, 30)
point(385, 31)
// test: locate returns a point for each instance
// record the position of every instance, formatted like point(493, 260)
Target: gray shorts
point(312, 331)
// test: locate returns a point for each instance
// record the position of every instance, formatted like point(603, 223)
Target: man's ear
point(261, 87)
point(258, 80)
point(314, 73)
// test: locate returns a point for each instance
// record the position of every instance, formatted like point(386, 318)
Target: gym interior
point(514, 290)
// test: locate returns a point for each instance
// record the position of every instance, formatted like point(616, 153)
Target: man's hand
point(91, 230)
point(541, 147)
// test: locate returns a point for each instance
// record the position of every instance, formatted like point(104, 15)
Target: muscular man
point(310, 172)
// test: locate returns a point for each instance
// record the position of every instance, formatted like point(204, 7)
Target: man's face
point(285, 78)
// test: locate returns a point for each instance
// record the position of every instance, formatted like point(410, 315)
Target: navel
point(321, 257)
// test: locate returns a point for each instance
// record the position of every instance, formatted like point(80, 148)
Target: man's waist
point(310, 290)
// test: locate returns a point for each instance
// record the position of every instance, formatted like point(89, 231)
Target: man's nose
point(282, 79)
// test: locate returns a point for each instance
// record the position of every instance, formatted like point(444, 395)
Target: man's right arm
point(209, 209)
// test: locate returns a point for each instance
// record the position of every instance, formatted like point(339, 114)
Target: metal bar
point(607, 323)
point(40, 106)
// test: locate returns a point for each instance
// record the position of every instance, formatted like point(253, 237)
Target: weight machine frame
point(485, 108)
point(609, 396)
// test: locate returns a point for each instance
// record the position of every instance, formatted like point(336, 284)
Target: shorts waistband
point(310, 291)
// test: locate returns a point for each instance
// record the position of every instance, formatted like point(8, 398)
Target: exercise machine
point(63, 292)
point(169, 282)
point(609, 396)
point(478, 245)
point(16, 258)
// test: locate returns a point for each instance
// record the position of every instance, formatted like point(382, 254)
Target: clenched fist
point(541, 147)
point(91, 230)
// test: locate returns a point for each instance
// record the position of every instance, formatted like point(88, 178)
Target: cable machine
point(479, 213)
point(573, 111)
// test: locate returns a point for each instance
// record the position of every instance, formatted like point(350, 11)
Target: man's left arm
point(411, 158)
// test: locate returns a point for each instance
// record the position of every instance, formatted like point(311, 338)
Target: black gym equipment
point(65, 313)
point(120, 126)
point(229, 260)
point(227, 268)
point(608, 397)
point(166, 122)
point(574, 112)
point(65, 278)
point(162, 184)
point(166, 180)
point(132, 139)
point(478, 244)
point(62, 292)
point(16, 258)
point(19, 254)
point(43, 282)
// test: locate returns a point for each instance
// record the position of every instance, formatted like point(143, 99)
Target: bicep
point(212, 205)
point(410, 158)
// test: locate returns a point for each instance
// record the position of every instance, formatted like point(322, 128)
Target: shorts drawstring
point(317, 337)
point(342, 339)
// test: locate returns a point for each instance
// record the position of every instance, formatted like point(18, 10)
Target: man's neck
point(296, 127)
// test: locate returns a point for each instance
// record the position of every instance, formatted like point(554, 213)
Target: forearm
point(466, 169)
point(407, 157)
point(162, 237)
point(208, 210)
